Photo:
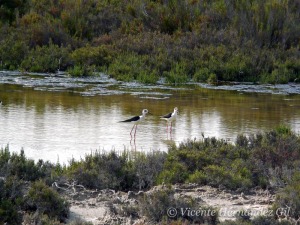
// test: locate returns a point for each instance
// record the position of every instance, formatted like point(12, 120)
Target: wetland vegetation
point(262, 160)
point(149, 41)
point(206, 41)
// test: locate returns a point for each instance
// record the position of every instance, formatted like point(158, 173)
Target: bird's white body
point(170, 117)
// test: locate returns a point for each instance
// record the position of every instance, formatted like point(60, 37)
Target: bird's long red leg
point(135, 130)
point(167, 128)
point(132, 130)
point(171, 128)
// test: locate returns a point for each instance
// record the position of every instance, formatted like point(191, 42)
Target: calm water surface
point(57, 118)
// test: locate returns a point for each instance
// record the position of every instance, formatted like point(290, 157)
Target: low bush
point(36, 218)
point(163, 207)
point(201, 75)
point(178, 74)
point(121, 172)
point(93, 56)
point(129, 67)
point(11, 200)
point(48, 58)
point(81, 71)
point(287, 203)
point(14, 164)
point(45, 200)
point(250, 162)
point(145, 169)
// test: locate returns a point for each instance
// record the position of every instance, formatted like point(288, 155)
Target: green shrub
point(212, 79)
point(287, 203)
point(12, 52)
point(47, 58)
point(99, 170)
point(198, 177)
point(18, 165)
point(145, 169)
point(122, 172)
point(47, 201)
point(178, 74)
point(36, 218)
point(8, 212)
point(126, 67)
point(156, 206)
point(4, 158)
point(147, 77)
point(129, 67)
point(201, 75)
point(278, 76)
point(217, 175)
point(80, 71)
point(174, 172)
point(11, 200)
point(92, 56)
point(250, 162)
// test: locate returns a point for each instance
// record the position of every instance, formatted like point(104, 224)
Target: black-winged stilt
point(170, 117)
point(136, 120)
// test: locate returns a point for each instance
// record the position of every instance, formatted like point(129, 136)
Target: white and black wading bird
point(170, 117)
point(136, 120)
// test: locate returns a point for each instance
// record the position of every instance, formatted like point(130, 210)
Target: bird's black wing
point(167, 116)
point(133, 119)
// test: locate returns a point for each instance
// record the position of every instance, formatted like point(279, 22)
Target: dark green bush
point(14, 164)
point(11, 200)
point(201, 75)
point(156, 206)
point(99, 170)
point(8, 212)
point(47, 201)
point(93, 56)
point(129, 67)
point(210, 38)
point(12, 52)
point(145, 169)
point(121, 172)
point(81, 71)
point(44, 219)
point(48, 58)
point(257, 160)
point(287, 202)
point(178, 74)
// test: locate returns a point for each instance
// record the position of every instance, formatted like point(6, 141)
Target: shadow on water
point(57, 118)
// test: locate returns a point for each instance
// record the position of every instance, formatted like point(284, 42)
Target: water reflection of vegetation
point(266, 160)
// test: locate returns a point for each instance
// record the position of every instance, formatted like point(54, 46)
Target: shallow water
point(56, 117)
